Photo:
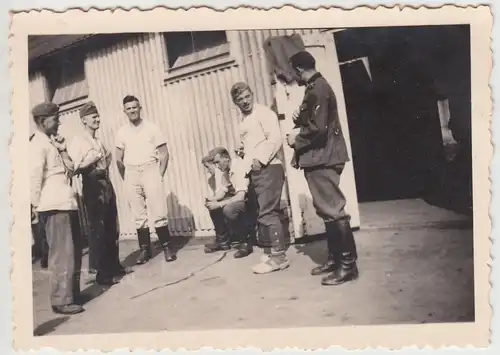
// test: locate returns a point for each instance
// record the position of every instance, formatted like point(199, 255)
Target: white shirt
point(261, 136)
point(237, 177)
point(140, 143)
point(50, 183)
point(84, 148)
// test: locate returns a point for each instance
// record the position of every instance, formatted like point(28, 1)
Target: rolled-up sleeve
point(82, 153)
point(239, 178)
point(38, 159)
point(268, 148)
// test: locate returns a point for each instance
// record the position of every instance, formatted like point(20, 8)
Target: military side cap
point(45, 109)
point(303, 59)
point(88, 109)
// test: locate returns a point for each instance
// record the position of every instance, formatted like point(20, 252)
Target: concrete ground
point(419, 270)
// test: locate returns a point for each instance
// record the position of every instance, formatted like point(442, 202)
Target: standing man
point(92, 160)
point(261, 138)
point(231, 204)
point(321, 151)
point(142, 159)
point(54, 204)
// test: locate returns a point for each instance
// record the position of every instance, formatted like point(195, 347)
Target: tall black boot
point(347, 269)
point(166, 243)
point(332, 240)
point(144, 239)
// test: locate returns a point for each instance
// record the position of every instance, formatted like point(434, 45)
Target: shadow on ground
point(50, 326)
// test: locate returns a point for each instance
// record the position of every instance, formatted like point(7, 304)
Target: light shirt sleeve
point(267, 149)
point(158, 136)
point(120, 139)
point(82, 153)
point(39, 161)
point(239, 178)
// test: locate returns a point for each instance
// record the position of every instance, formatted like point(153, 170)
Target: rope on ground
point(191, 274)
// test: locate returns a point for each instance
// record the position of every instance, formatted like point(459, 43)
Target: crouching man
point(231, 201)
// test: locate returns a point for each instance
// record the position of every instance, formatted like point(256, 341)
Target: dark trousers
point(65, 255)
point(40, 248)
point(102, 212)
point(239, 222)
point(267, 185)
point(219, 223)
point(328, 200)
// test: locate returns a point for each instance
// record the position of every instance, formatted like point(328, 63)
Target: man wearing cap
point(91, 160)
point(232, 204)
point(142, 158)
point(321, 151)
point(54, 204)
point(261, 140)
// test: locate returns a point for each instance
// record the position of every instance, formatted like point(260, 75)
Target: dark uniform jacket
point(320, 141)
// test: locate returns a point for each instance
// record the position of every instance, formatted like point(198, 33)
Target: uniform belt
point(141, 167)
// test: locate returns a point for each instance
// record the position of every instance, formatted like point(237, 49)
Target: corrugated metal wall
point(195, 112)
point(36, 95)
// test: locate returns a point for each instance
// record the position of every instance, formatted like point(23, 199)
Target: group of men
point(247, 193)
point(319, 150)
point(142, 158)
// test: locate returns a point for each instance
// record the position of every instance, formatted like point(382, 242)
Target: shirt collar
point(312, 79)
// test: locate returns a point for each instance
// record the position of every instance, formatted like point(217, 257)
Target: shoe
point(344, 273)
point(272, 264)
point(220, 243)
point(169, 253)
point(166, 243)
point(243, 251)
point(68, 309)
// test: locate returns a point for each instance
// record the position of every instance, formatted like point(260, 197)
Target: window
point(66, 77)
point(188, 48)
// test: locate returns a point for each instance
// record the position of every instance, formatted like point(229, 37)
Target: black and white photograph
point(252, 178)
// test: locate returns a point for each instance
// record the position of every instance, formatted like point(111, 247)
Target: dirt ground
point(409, 275)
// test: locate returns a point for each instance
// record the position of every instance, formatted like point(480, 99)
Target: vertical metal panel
point(37, 94)
point(194, 112)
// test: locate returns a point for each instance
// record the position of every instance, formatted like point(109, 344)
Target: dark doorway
point(391, 98)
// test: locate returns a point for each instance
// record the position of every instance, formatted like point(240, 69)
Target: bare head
point(132, 108)
point(222, 160)
point(243, 97)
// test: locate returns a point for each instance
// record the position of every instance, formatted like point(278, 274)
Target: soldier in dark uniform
point(321, 151)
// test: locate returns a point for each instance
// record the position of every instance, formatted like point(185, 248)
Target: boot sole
point(323, 272)
point(350, 279)
point(274, 270)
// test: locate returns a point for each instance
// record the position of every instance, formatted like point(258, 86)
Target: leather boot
point(347, 270)
point(221, 242)
point(166, 244)
point(333, 249)
point(144, 239)
point(244, 249)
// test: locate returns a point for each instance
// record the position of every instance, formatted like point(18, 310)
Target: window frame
point(56, 73)
point(222, 59)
